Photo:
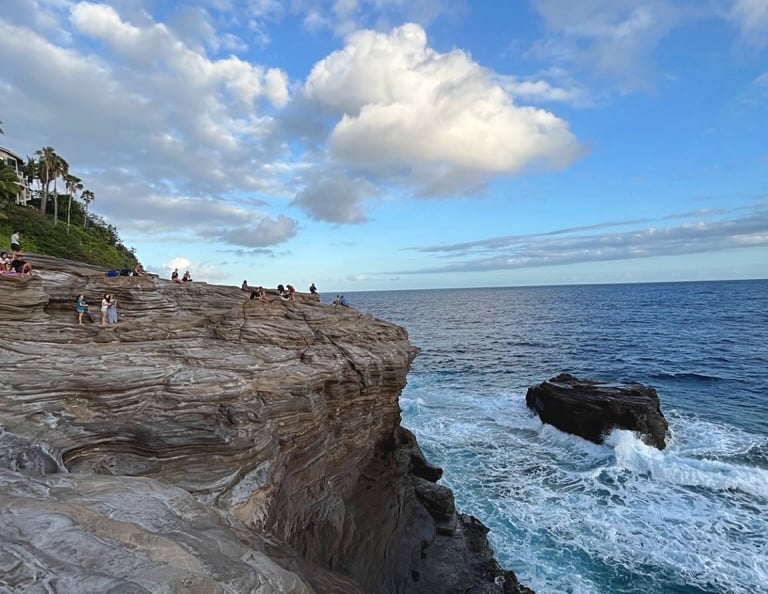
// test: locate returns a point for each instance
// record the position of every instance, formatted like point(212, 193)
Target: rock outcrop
point(592, 409)
point(210, 443)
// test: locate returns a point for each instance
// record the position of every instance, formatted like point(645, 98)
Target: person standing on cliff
point(81, 306)
point(15, 243)
point(104, 308)
point(112, 310)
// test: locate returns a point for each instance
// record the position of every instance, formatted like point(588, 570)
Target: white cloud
point(335, 198)
point(153, 118)
point(610, 38)
point(751, 17)
point(265, 8)
point(551, 85)
point(617, 39)
point(436, 121)
point(701, 232)
point(177, 263)
point(267, 231)
point(154, 47)
point(346, 16)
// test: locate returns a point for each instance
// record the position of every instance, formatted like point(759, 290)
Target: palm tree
point(86, 196)
point(31, 171)
point(74, 184)
point(61, 169)
point(51, 166)
point(46, 166)
point(9, 182)
point(1, 127)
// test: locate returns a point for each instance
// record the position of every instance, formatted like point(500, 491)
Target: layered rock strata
point(210, 443)
point(592, 409)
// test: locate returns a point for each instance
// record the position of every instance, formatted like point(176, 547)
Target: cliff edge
point(209, 443)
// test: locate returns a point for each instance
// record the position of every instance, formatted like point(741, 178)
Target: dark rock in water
point(431, 548)
point(592, 409)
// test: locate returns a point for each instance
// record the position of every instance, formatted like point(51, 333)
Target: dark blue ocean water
point(569, 516)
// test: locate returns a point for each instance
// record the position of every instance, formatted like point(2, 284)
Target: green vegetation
point(85, 237)
point(89, 239)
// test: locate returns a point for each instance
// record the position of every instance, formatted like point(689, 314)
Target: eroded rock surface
point(592, 409)
point(212, 443)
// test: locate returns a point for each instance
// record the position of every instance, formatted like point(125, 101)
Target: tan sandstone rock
point(204, 443)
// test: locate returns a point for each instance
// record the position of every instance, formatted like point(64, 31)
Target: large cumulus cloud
point(438, 122)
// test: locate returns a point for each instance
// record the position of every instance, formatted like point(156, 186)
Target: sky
point(406, 144)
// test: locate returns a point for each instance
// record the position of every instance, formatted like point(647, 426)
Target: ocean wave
point(685, 376)
point(668, 467)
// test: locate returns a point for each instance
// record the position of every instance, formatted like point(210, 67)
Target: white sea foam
point(553, 498)
point(668, 467)
point(412, 405)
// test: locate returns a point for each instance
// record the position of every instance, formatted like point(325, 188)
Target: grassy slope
point(98, 244)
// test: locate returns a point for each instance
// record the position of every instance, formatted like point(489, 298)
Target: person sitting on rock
point(291, 292)
point(245, 286)
point(341, 300)
point(259, 294)
point(187, 278)
point(313, 289)
point(139, 270)
point(282, 293)
point(5, 262)
point(20, 265)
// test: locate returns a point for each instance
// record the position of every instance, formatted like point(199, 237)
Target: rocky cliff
point(209, 443)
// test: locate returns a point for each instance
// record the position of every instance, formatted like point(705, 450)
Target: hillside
point(92, 241)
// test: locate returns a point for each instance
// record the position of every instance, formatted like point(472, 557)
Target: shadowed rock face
point(209, 443)
point(593, 409)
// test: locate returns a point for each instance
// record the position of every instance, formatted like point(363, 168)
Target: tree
point(61, 169)
point(87, 197)
point(9, 182)
point(31, 171)
point(74, 184)
point(1, 127)
point(46, 165)
point(50, 167)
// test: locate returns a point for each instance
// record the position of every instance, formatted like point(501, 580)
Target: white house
point(17, 163)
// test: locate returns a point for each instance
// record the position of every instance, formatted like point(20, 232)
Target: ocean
point(569, 516)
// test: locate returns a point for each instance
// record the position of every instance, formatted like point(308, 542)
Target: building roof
point(10, 153)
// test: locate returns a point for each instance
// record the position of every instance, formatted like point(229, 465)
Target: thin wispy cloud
point(572, 246)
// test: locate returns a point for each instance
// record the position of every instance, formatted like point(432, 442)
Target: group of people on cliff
point(14, 263)
point(284, 292)
point(108, 309)
point(187, 278)
point(287, 293)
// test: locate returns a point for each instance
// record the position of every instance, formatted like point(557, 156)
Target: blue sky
point(386, 144)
